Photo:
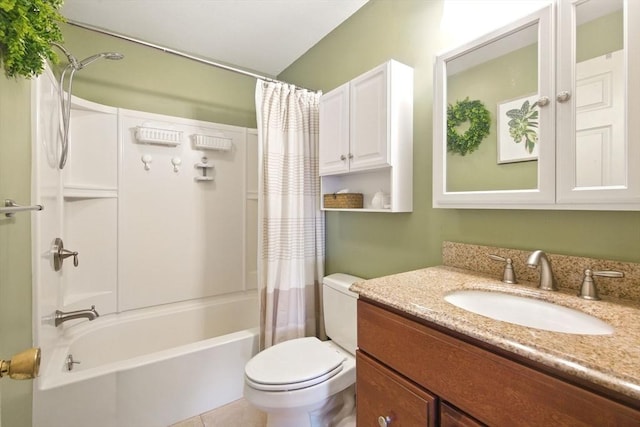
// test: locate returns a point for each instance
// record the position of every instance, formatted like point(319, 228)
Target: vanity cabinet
point(561, 90)
point(471, 383)
point(366, 136)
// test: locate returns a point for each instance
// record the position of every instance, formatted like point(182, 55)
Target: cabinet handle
point(563, 96)
point(350, 156)
point(384, 421)
point(544, 100)
point(342, 157)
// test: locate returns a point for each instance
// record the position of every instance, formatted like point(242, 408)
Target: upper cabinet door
point(369, 133)
point(598, 148)
point(509, 75)
point(334, 131)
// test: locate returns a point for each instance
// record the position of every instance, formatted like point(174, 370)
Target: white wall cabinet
point(366, 137)
point(334, 131)
point(587, 152)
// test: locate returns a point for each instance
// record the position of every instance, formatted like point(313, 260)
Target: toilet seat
point(293, 365)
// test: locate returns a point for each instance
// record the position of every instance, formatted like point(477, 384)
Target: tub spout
point(62, 317)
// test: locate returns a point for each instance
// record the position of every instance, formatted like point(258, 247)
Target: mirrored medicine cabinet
point(562, 91)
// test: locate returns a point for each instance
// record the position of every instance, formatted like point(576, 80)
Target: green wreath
point(479, 123)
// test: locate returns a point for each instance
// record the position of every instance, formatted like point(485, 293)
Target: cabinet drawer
point(491, 388)
point(382, 393)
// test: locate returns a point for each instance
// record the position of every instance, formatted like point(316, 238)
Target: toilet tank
point(339, 305)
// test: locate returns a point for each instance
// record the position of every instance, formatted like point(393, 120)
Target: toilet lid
point(293, 365)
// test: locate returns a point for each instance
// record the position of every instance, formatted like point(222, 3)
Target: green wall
point(15, 244)
point(600, 36)
point(374, 244)
point(151, 80)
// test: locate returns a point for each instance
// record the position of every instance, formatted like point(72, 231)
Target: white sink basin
point(528, 312)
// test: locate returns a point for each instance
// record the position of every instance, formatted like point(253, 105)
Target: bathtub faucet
point(62, 317)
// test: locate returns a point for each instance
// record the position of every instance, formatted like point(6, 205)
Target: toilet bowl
point(306, 382)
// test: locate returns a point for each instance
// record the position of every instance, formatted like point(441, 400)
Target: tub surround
point(604, 363)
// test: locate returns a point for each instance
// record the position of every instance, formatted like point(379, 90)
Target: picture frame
point(517, 130)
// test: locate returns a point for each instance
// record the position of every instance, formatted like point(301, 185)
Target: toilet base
point(335, 411)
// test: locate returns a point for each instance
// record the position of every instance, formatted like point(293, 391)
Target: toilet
point(306, 382)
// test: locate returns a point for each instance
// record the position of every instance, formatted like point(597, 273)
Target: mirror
point(600, 110)
point(502, 81)
point(558, 88)
point(506, 159)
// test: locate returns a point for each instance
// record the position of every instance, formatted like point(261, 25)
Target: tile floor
point(234, 414)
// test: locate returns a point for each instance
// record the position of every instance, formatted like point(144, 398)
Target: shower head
point(79, 65)
point(106, 55)
point(65, 93)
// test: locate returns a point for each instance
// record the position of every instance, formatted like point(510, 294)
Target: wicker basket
point(343, 200)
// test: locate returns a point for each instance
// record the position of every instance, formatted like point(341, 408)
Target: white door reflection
point(600, 113)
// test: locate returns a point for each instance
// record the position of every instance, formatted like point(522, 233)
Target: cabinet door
point(598, 150)
point(334, 131)
point(511, 73)
point(369, 133)
point(383, 396)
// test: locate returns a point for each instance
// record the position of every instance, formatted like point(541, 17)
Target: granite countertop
point(611, 361)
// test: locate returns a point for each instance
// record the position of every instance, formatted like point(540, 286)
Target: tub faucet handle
point(509, 274)
point(60, 254)
point(588, 289)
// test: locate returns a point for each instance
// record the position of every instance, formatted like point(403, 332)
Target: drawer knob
point(384, 421)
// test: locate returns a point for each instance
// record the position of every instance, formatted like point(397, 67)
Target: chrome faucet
point(62, 317)
point(547, 281)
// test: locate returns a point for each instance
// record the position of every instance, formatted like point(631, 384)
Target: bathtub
point(149, 367)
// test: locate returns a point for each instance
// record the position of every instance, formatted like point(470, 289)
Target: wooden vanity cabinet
point(480, 386)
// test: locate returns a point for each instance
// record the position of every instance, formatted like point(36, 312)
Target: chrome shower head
point(105, 55)
point(65, 93)
point(79, 65)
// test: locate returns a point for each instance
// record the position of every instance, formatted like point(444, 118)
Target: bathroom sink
point(528, 312)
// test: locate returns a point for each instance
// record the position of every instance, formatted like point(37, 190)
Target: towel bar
point(11, 207)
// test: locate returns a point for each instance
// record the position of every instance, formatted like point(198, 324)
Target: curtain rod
point(178, 53)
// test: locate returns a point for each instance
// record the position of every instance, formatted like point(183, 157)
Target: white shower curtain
point(291, 234)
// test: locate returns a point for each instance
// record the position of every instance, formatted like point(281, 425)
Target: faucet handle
point(607, 273)
point(588, 289)
point(509, 274)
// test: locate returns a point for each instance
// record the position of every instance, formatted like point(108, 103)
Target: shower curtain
point(291, 234)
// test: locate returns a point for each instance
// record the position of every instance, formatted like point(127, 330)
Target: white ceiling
point(260, 35)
